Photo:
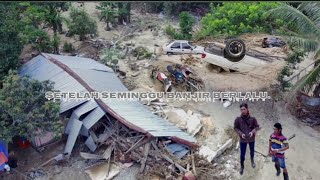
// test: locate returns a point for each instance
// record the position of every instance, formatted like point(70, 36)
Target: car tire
point(230, 54)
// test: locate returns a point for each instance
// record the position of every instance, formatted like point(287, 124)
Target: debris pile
point(308, 109)
point(141, 52)
point(189, 60)
point(191, 122)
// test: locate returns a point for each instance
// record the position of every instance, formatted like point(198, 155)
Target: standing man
point(278, 143)
point(246, 126)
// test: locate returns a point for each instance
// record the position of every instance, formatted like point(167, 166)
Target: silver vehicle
point(181, 47)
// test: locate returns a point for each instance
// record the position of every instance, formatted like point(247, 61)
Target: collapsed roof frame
point(148, 137)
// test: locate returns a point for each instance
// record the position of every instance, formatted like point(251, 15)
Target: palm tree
point(306, 21)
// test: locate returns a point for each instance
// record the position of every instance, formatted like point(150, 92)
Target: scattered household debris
point(308, 109)
point(207, 126)
point(178, 150)
point(135, 74)
point(189, 60)
point(227, 104)
point(36, 174)
point(141, 52)
point(210, 154)
point(206, 152)
point(194, 124)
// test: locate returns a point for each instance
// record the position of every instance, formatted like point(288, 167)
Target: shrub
point(81, 24)
point(68, 47)
point(296, 56)
point(236, 18)
point(170, 31)
point(186, 24)
point(286, 71)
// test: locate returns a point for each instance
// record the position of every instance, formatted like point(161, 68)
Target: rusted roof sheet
point(100, 78)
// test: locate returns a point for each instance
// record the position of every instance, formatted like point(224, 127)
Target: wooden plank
point(134, 145)
point(139, 144)
point(106, 155)
point(145, 153)
point(193, 164)
point(106, 135)
point(90, 156)
point(108, 167)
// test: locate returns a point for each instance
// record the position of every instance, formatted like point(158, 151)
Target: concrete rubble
point(185, 120)
point(210, 155)
point(206, 152)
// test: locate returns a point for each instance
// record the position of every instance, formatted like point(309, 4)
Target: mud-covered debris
point(141, 52)
point(207, 126)
point(135, 74)
point(189, 60)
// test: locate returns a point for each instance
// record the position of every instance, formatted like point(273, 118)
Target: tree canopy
point(25, 110)
point(306, 34)
point(10, 44)
point(81, 23)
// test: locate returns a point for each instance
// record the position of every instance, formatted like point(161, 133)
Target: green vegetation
point(286, 71)
point(68, 47)
point(25, 110)
point(81, 23)
point(109, 11)
point(10, 44)
point(306, 35)
point(111, 56)
point(236, 18)
point(186, 23)
point(296, 56)
point(36, 17)
point(141, 52)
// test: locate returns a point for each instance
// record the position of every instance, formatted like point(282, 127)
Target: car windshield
point(193, 47)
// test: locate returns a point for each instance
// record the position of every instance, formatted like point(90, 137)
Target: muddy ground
point(303, 157)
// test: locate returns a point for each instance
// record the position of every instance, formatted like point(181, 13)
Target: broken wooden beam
point(139, 144)
point(90, 156)
point(135, 145)
point(193, 164)
point(106, 135)
point(146, 153)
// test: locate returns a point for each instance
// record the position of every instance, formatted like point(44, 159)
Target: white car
point(231, 56)
point(182, 47)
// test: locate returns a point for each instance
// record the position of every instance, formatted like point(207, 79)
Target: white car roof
point(181, 41)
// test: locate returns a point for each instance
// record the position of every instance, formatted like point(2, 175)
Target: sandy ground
point(302, 158)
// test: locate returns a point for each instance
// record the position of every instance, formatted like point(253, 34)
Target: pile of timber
point(120, 144)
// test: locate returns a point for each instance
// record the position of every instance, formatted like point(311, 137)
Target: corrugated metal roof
point(100, 78)
point(92, 118)
point(74, 132)
point(84, 108)
point(41, 69)
point(90, 144)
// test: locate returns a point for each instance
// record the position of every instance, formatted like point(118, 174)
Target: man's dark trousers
point(243, 148)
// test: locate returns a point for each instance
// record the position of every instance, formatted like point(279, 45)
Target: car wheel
point(235, 49)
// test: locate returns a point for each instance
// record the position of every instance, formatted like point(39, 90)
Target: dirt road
point(303, 157)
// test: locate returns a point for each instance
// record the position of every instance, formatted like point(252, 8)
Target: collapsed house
point(126, 128)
